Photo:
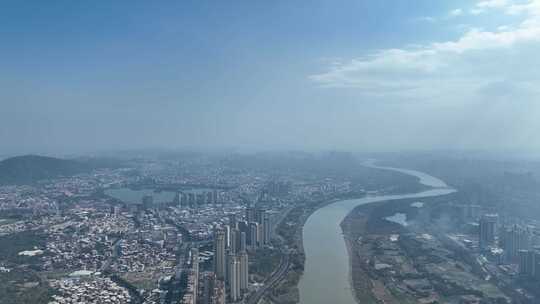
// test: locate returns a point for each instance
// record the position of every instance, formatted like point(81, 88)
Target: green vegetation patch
point(264, 261)
point(12, 244)
point(24, 287)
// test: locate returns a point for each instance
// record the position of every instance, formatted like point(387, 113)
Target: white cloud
point(484, 40)
point(456, 12)
point(456, 69)
point(426, 19)
point(531, 8)
point(483, 6)
point(504, 28)
point(492, 4)
point(477, 11)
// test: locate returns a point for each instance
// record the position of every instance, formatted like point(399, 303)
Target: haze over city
point(270, 152)
point(353, 75)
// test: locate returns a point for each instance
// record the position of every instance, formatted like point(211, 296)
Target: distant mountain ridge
point(29, 169)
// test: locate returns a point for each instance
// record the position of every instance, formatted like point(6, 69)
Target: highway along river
point(326, 275)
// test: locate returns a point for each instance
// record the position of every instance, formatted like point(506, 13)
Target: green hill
point(29, 169)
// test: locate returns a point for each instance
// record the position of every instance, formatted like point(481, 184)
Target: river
point(326, 277)
point(131, 196)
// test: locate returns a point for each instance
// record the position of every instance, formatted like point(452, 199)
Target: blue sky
point(352, 75)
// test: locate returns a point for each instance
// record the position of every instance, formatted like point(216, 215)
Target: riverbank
point(291, 231)
point(327, 276)
point(297, 286)
point(409, 262)
point(357, 233)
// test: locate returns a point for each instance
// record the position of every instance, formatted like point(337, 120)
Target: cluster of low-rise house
point(91, 289)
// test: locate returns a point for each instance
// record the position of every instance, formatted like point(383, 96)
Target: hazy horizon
point(358, 76)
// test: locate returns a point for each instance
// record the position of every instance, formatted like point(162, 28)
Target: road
point(281, 270)
point(271, 281)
